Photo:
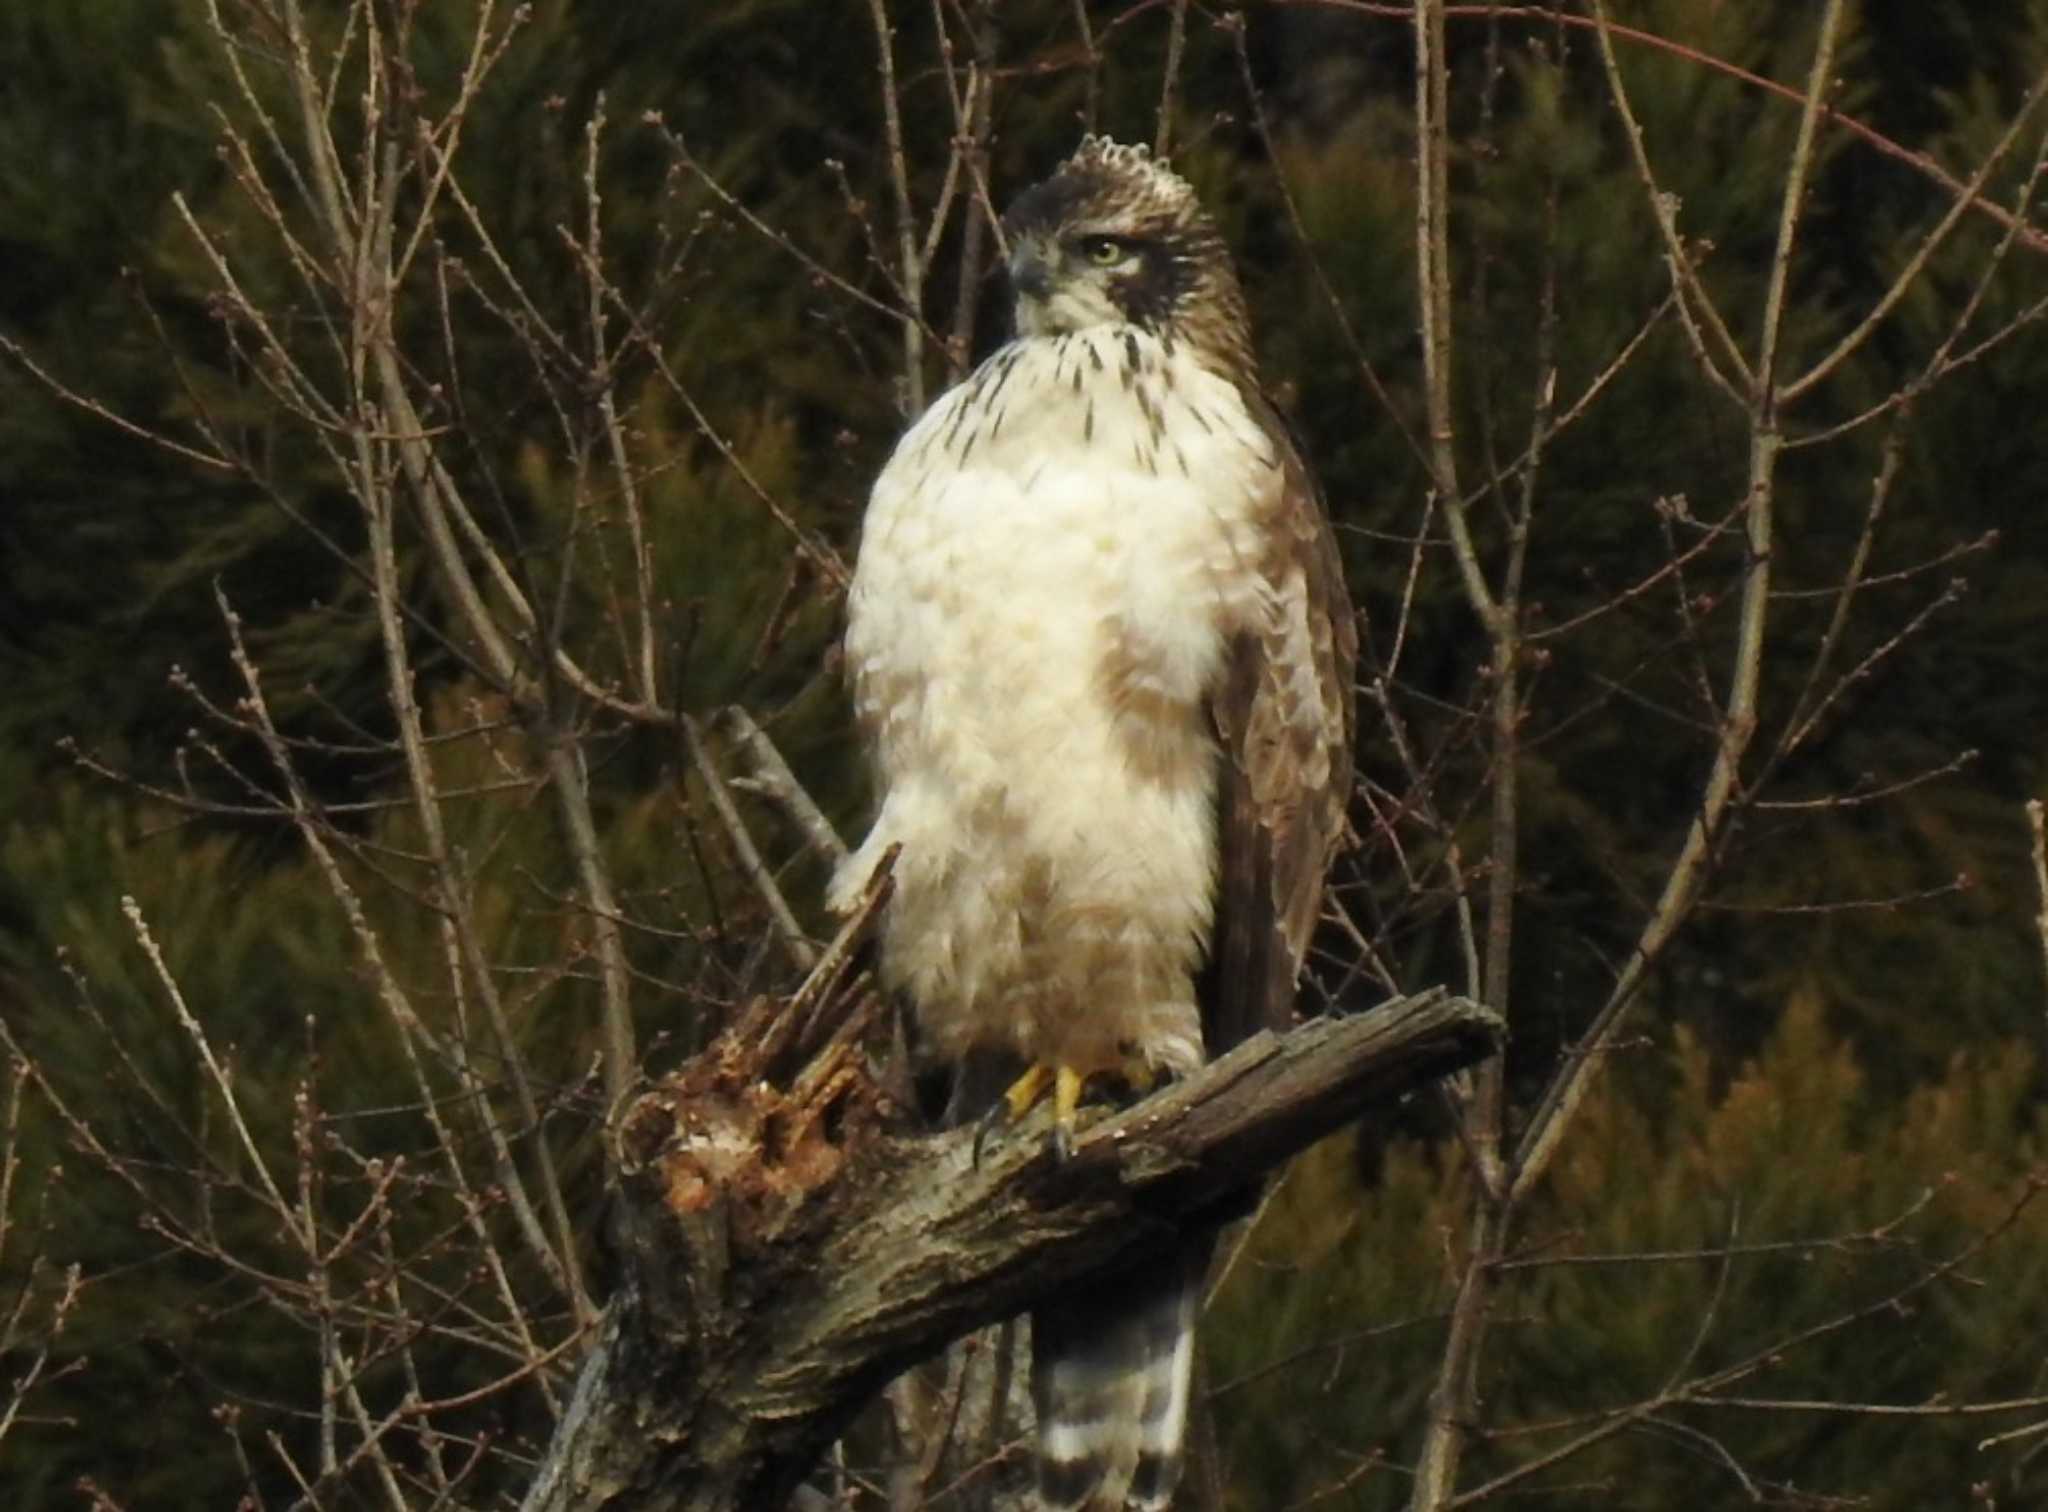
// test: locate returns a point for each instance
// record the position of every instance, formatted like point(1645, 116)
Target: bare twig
point(1688, 871)
point(910, 270)
point(791, 933)
point(2037, 826)
point(773, 780)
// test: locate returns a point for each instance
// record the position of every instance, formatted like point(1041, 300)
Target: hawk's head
point(1115, 237)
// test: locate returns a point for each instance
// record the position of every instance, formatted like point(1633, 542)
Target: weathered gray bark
point(786, 1250)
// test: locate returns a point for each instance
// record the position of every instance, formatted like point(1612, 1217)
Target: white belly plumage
point(1052, 565)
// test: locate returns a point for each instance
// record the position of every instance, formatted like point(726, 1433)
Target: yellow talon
point(1026, 1090)
point(1066, 1100)
point(1066, 1084)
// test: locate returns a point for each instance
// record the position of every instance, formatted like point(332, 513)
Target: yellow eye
point(1103, 251)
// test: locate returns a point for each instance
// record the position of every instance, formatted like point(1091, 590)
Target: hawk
point(1101, 653)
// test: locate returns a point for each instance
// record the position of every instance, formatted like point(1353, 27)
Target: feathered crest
point(1132, 164)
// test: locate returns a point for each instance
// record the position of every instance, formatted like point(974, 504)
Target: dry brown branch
point(1970, 194)
point(1387, 411)
point(1713, 344)
point(787, 930)
point(1688, 871)
point(1169, 89)
point(33, 1323)
point(910, 267)
point(773, 780)
point(1452, 1399)
point(2037, 826)
point(787, 1251)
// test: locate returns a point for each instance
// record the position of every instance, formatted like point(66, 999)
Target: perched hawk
point(1102, 652)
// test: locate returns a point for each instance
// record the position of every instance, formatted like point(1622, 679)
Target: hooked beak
point(1030, 274)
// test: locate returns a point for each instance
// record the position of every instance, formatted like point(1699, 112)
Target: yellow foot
point(1067, 1085)
point(1025, 1093)
point(1026, 1090)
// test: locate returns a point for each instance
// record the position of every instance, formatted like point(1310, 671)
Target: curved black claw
point(1025, 1093)
point(997, 1117)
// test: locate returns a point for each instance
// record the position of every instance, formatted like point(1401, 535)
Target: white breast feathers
point(1052, 564)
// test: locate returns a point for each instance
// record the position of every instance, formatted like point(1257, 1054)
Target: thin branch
point(787, 929)
point(1169, 86)
point(773, 780)
point(1541, 1139)
point(911, 269)
point(2037, 825)
point(1969, 195)
point(1702, 318)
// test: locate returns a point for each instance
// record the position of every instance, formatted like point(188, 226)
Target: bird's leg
point(1066, 1085)
point(1066, 1102)
point(1013, 1104)
point(1026, 1092)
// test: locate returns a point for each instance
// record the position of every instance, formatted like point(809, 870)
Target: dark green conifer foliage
point(1796, 1194)
point(1806, 1071)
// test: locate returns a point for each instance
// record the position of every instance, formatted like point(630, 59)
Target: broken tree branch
point(787, 1248)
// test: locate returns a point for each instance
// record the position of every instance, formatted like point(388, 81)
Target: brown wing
point(1284, 714)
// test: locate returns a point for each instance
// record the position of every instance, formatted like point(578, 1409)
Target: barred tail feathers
point(1112, 1368)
